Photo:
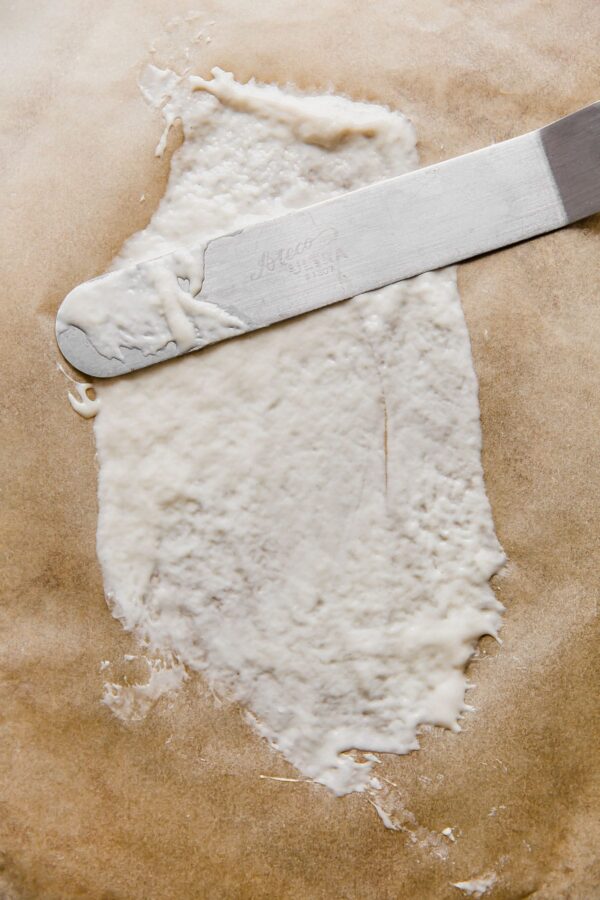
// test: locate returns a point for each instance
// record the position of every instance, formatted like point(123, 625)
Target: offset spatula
point(357, 242)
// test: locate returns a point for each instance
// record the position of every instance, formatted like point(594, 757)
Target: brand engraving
point(313, 257)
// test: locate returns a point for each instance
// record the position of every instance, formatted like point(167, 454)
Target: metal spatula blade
point(310, 258)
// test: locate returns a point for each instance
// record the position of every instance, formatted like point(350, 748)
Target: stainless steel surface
point(381, 234)
point(572, 146)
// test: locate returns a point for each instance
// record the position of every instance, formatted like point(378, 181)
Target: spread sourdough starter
point(300, 515)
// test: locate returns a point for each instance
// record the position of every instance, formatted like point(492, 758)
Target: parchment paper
point(178, 805)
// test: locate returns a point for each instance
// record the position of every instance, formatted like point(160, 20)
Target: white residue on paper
point(477, 887)
point(82, 403)
point(131, 702)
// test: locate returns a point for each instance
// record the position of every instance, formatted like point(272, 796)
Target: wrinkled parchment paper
point(179, 805)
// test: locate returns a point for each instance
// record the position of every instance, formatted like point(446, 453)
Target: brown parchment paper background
point(176, 806)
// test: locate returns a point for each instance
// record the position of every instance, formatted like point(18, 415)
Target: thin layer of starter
point(300, 514)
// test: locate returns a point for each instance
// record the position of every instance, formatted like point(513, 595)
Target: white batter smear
point(300, 514)
point(477, 887)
